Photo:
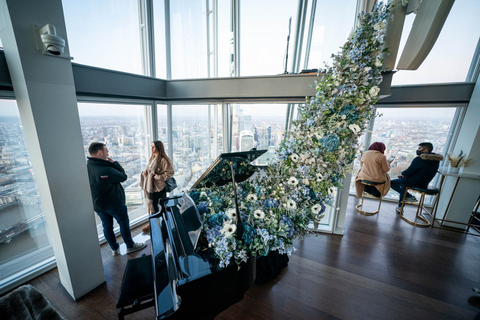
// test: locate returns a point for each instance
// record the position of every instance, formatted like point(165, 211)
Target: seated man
point(419, 174)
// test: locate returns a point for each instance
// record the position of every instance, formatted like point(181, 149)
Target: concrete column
point(463, 195)
point(45, 93)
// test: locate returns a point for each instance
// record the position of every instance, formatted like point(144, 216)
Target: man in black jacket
point(108, 196)
point(419, 174)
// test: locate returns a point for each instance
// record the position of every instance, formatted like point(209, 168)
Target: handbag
point(170, 184)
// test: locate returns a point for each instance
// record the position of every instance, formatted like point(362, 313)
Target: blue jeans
point(121, 215)
point(399, 186)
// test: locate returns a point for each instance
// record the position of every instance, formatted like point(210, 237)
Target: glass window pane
point(451, 56)
point(194, 147)
point(402, 129)
point(104, 34)
point(24, 240)
point(333, 23)
point(263, 35)
point(260, 126)
point(188, 39)
point(162, 126)
point(159, 31)
point(123, 129)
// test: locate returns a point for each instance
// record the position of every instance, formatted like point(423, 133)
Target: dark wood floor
point(382, 268)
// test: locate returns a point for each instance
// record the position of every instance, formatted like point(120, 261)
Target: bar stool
point(359, 207)
point(420, 207)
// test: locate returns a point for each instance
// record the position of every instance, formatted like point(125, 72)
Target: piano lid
point(219, 173)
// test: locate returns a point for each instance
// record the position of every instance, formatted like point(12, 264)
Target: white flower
point(367, 69)
point(355, 128)
point(374, 91)
point(305, 181)
point(332, 191)
point(319, 177)
point(318, 135)
point(259, 214)
point(231, 213)
point(291, 205)
point(203, 194)
point(378, 62)
point(251, 197)
point(316, 209)
point(292, 181)
point(379, 26)
point(294, 157)
point(229, 229)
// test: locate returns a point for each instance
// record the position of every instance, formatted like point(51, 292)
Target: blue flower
point(271, 203)
point(330, 143)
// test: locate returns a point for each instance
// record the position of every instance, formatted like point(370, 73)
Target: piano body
point(187, 280)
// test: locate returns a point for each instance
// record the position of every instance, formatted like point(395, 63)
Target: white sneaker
point(116, 252)
point(136, 246)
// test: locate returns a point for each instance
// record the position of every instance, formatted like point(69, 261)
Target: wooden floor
point(381, 268)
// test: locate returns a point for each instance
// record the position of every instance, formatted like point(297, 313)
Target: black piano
point(188, 284)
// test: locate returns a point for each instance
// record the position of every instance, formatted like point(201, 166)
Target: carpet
point(26, 303)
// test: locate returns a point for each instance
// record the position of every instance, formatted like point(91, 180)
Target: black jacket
point(105, 178)
point(422, 170)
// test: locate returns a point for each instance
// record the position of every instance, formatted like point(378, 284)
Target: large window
point(402, 129)
point(451, 56)
point(123, 129)
point(333, 23)
point(188, 39)
point(260, 126)
point(263, 35)
point(104, 34)
point(24, 241)
point(196, 141)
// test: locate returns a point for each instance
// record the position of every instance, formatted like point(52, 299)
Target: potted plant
point(457, 162)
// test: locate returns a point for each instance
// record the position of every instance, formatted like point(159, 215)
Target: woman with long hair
point(373, 167)
point(159, 169)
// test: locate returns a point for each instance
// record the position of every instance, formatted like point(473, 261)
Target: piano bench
point(137, 291)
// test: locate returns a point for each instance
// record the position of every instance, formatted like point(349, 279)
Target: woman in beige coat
point(152, 180)
point(373, 167)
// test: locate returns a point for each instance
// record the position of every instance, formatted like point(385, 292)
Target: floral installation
point(279, 201)
point(458, 161)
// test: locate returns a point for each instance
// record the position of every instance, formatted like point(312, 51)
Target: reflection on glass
point(402, 129)
point(188, 39)
point(159, 32)
point(23, 237)
point(123, 129)
point(197, 141)
point(104, 34)
point(333, 23)
point(263, 35)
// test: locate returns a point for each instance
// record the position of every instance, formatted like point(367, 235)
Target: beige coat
point(154, 179)
point(374, 167)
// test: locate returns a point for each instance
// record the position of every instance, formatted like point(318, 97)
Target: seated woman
point(373, 167)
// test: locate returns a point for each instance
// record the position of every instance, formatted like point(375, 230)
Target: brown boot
point(146, 229)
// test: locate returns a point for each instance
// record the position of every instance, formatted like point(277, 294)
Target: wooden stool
point(359, 208)
point(137, 291)
point(420, 207)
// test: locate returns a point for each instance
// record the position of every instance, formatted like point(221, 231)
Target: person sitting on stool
point(373, 167)
point(419, 174)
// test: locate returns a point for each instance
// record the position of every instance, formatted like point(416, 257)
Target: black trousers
point(156, 198)
point(373, 191)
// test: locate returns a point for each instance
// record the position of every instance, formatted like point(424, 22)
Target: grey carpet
point(25, 303)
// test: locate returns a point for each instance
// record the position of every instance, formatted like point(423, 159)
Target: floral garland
point(280, 202)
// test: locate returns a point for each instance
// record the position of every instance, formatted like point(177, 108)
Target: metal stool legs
point(359, 207)
point(419, 214)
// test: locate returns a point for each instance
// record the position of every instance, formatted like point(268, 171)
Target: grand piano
point(188, 284)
